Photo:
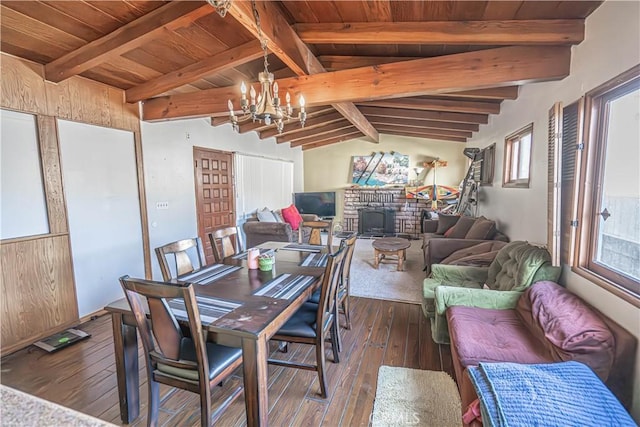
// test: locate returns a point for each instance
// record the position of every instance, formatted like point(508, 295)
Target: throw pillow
point(265, 215)
point(292, 217)
point(445, 222)
point(462, 227)
point(482, 229)
point(278, 215)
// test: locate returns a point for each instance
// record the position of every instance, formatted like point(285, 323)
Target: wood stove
point(376, 221)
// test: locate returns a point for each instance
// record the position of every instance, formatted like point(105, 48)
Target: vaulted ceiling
point(429, 69)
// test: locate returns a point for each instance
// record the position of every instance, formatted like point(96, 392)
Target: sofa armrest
point(257, 232)
point(429, 225)
point(449, 296)
point(459, 273)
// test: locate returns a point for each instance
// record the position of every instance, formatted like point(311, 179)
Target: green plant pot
point(265, 264)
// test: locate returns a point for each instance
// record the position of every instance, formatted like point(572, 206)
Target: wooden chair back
point(329, 289)
point(183, 262)
point(225, 242)
point(350, 243)
point(315, 238)
point(161, 335)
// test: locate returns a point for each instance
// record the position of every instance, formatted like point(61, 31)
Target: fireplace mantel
point(407, 211)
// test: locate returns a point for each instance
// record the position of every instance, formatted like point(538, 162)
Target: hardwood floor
point(82, 377)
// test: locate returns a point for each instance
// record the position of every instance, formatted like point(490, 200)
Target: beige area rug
point(415, 397)
point(386, 282)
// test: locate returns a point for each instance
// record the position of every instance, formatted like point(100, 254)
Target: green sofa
point(516, 267)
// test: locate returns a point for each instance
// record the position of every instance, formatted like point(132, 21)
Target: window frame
point(508, 165)
point(589, 180)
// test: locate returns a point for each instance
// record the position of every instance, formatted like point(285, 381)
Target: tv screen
point(319, 203)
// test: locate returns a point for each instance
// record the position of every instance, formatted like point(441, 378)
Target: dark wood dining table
point(251, 324)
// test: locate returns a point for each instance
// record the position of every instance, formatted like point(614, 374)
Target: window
point(609, 226)
point(517, 158)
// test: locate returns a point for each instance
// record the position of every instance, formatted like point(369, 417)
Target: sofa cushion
point(278, 215)
point(481, 229)
point(265, 215)
point(462, 227)
point(292, 216)
point(490, 335)
point(445, 222)
point(570, 329)
point(480, 255)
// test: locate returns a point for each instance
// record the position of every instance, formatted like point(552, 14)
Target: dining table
point(237, 304)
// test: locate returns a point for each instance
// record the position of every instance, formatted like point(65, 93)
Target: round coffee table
point(390, 246)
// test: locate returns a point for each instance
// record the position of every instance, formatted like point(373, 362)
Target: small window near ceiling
point(609, 245)
point(517, 158)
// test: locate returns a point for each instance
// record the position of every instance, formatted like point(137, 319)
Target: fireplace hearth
point(376, 222)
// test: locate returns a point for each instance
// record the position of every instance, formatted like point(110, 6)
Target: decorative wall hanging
point(380, 169)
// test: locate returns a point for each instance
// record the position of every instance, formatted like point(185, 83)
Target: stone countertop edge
point(19, 409)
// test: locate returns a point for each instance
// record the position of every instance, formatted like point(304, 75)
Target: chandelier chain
point(261, 37)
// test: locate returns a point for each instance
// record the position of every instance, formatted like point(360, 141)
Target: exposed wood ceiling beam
point(516, 32)
point(504, 66)
point(424, 135)
point(224, 60)
point(340, 134)
point(332, 141)
point(324, 135)
point(125, 38)
point(428, 131)
point(320, 130)
point(481, 119)
point(343, 62)
point(310, 124)
point(505, 92)
point(421, 124)
point(284, 42)
point(414, 103)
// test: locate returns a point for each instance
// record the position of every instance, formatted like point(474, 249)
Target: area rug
point(386, 282)
point(415, 397)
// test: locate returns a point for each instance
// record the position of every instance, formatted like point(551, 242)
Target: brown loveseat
point(450, 233)
point(547, 324)
point(257, 232)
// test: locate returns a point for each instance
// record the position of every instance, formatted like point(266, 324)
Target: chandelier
point(265, 106)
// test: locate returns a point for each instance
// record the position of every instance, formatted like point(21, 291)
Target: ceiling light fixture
point(266, 106)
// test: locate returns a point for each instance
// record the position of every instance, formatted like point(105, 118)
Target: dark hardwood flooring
point(83, 377)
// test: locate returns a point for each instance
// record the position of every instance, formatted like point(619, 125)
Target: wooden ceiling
point(430, 69)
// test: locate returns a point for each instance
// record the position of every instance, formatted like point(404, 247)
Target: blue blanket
point(555, 394)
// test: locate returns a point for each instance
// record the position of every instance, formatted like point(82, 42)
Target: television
point(321, 203)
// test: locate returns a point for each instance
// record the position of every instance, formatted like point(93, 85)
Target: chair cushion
point(516, 265)
point(482, 229)
point(569, 327)
point(292, 216)
point(462, 227)
point(220, 357)
point(302, 323)
point(490, 335)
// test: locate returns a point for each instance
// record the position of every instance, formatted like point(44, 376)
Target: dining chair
point(180, 250)
point(313, 323)
point(344, 286)
point(315, 238)
point(225, 242)
point(187, 363)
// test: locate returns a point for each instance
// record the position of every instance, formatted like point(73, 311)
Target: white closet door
point(100, 182)
point(262, 182)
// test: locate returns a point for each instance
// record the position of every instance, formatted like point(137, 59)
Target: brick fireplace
point(391, 210)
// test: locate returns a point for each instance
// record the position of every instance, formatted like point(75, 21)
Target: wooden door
point(214, 193)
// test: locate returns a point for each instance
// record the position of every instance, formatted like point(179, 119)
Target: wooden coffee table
point(391, 246)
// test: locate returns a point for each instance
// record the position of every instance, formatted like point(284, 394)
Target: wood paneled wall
point(38, 289)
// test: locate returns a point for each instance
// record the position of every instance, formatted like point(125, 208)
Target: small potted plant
point(265, 261)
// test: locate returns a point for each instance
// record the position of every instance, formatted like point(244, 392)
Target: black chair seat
point(219, 356)
point(315, 297)
point(302, 323)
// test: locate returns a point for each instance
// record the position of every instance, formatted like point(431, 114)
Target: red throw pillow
point(292, 217)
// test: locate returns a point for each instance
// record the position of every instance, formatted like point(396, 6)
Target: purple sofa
point(548, 324)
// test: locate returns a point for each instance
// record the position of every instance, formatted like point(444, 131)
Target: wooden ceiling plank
point(505, 66)
point(514, 32)
point(286, 45)
point(332, 141)
point(437, 105)
point(343, 62)
point(481, 119)
point(429, 131)
point(125, 38)
point(432, 124)
point(211, 65)
point(505, 92)
point(327, 136)
point(427, 136)
point(321, 130)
